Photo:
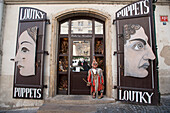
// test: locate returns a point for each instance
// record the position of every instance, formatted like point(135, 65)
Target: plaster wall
point(163, 43)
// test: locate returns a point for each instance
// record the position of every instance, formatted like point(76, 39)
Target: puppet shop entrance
point(80, 40)
point(80, 64)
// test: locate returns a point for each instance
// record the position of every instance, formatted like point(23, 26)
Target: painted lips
point(145, 65)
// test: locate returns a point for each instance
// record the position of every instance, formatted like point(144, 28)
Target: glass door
point(80, 64)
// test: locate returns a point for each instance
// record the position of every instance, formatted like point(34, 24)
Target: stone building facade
point(60, 9)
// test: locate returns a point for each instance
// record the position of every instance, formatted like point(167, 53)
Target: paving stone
point(114, 107)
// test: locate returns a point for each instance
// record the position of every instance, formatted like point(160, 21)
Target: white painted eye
point(138, 46)
point(24, 50)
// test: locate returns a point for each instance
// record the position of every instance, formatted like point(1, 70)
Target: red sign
point(164, 18)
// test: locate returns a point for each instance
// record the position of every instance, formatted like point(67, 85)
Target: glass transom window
point(81, 26)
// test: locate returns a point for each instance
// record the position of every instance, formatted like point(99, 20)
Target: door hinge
point(43, 52)
point(118, 52)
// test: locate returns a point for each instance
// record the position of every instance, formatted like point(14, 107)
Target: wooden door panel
point(78, 86)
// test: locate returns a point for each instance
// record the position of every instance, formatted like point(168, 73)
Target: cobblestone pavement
point(21, 110)
point(117, 107)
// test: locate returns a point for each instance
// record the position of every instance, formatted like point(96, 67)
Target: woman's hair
point(32, 31)
point(129, 29)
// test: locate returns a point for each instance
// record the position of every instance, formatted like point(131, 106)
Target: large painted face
point(25, 56)
point(137, 53)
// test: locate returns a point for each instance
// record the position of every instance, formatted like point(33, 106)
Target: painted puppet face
point(25, 56)
point(95, 65)
point(137, 53)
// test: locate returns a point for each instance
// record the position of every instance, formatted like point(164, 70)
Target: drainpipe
point(1, 15)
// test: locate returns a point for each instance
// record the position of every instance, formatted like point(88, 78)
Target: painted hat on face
point(94, 63)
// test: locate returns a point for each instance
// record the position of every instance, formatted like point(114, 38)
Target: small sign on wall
point(164, 18)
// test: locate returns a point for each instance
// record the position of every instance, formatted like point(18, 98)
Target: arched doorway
point(74, 38)
point(80, 39)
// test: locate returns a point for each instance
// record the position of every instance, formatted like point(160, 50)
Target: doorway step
point(73, 104)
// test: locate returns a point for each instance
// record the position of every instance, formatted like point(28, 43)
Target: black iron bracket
point(120, 35)
point(48, 21)
point(46, 52)
point(115, 52)
point(118, 52)
point(114, 21)
point(44, 86)
point(12, 59)
point(154, 1)
point(114, 87)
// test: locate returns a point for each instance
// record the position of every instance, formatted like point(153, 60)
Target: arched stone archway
point(54, 39)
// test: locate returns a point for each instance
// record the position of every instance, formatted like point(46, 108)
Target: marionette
point(96, 80)
point(61, 66)
point(64, 47)
point(99, 47)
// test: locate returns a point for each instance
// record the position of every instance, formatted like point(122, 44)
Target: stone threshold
point(73, 104)
point(78, 99)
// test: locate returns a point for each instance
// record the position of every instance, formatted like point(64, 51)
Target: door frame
point(51, 79)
